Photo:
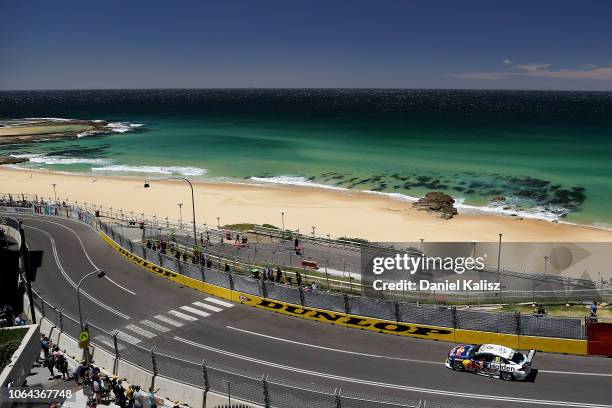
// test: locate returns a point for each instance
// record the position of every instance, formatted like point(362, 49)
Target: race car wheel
point(506, 376)
point(457, 366)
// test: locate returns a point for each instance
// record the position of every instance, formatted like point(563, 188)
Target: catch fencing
point(438, 315)
point(387, 309)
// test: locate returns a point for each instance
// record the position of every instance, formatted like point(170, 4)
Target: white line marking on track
point(70, 281)
point(182, 316)
point(209, 307)
point(575, 373)
point(85, 252)
point(388, 357)
point(127, 337)
point(168, 320)
point(107, 341)
point(140, 330)
point(395, 386)
point(333, 349)
point(155, 326)
point(219, 302)
point(195, 311)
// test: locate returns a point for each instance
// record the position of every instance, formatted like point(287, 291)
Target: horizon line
point(307, 88)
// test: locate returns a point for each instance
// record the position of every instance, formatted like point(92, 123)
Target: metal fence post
point(266, 391)
point(205, 376)
point(337, 400)
point(230, 278)
point(61, 319)
point(264, 289)
point(454, 316)
point(42, 307)
point(398, 316)
point(202, 270)
point(154, 363)
point(518, 322)
point(115, 343)
point(302, 300)
point(347, 305)
point(144, 252)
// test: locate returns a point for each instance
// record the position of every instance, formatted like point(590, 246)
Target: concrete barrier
point(134, 374)
point(184, 393)
point(46, 328)
point(103, 359)
point(214, 400)
point(480, 337)
point(70, 346)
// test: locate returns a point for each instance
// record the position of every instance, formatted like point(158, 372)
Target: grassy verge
point(10, 339)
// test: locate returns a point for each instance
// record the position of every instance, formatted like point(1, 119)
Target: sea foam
point(185, 171)
point(44, 159)
point(536, 212)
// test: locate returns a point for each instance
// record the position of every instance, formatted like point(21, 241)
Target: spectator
point(96, 387)
point(62, 366)
point(44, 343)
point(149, 243)
point(19, 321)
point(130, 396)
point(138, 397)
point(594, 310)
point(119, 394)
point(79, 372)
point(177, 254)
point(151, 397)
point(226, 268)
point(314, 286)
point(209, 263)
point(50, 364)
point(185, 256)
point(296, 243)
point(279, 274)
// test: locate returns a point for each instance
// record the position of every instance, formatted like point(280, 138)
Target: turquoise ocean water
point(548, 153)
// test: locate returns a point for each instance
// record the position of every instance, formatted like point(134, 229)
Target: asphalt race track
point(147, 309)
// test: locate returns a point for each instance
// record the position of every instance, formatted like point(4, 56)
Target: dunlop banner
point(150, 266)
point(357, 322)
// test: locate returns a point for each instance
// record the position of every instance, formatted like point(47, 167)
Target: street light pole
point(54, 194)
point(546, 258)
point(195, 235)
point(101, 274)
point(180, 206)
point(499, 256)
point(283, 223)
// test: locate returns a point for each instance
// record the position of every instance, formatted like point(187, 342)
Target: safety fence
point(260, 389)
point(437, 315)
point(393, 310)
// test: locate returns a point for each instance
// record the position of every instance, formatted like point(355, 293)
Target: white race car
point(491, 360)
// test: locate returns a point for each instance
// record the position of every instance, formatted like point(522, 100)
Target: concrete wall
point(103, 359)
point(174, 390)
point(134, 374)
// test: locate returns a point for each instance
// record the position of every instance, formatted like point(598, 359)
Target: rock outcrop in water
point(11, 160)
point(438, 202)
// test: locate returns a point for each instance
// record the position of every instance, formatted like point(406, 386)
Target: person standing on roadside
point(594, 311)
point(151, 397)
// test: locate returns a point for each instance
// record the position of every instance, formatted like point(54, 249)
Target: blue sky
point(521, 44)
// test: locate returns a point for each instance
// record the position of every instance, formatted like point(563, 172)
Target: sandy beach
point(338, 213)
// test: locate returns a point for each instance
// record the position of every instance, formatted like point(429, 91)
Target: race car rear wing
point(530, 356)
